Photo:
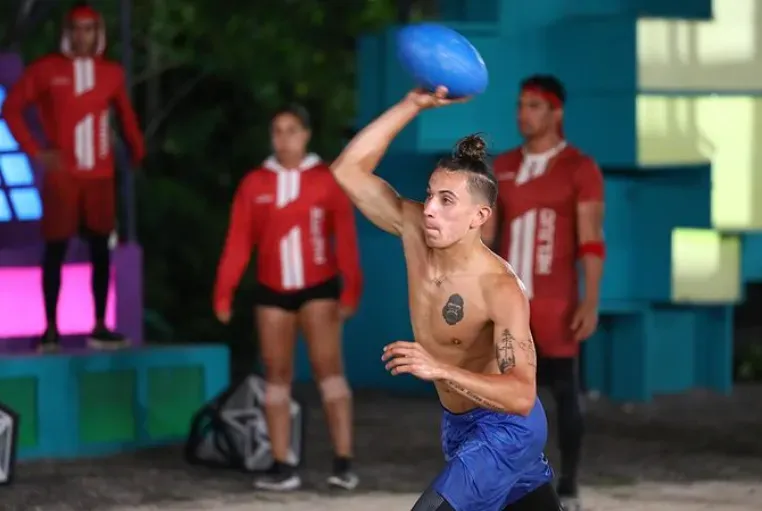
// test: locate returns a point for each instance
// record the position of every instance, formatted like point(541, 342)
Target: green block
point(20, 394)
point(107, 407)
point(174, 395)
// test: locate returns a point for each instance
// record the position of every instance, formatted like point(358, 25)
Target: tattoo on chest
point(505, 352)
point(453, 310)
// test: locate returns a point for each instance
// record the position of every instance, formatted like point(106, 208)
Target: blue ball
point(439, 56)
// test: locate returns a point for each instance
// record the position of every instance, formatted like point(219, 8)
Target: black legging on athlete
point(543, 498)
point(52, 264)
point(561, 377)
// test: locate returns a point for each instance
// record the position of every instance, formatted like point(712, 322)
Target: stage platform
point(81, 403)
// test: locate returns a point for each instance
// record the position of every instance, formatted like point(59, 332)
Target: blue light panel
point(26, 203)
point(16, 170)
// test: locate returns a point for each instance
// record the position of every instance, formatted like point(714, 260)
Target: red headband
point(548, 96)
point(83, 13)
point(554, 100)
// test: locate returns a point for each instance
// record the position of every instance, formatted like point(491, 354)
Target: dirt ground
point(692, 452)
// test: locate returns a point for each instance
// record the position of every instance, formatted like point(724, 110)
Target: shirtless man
point(470, 318)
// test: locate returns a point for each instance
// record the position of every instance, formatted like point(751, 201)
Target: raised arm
point(514, 390)
point(354, 168)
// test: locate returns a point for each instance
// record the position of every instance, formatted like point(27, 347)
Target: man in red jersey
point(302, 225)
point(73, 91)
point(551, 216)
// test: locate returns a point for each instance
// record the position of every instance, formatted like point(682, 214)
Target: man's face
point(450, 210)
point(289, 137)
point(535, 115)
point(84, 35)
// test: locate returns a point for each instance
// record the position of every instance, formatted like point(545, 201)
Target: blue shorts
point(493, 459)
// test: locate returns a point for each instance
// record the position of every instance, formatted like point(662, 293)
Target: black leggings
point(543, 498)
point(52, 264)
point(561, 377)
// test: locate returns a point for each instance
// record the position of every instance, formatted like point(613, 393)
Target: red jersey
point(73, 97)
point(538, 197)
point(290, 215)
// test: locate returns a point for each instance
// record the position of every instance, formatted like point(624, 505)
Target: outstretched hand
point(424, 99)
point(405, 357)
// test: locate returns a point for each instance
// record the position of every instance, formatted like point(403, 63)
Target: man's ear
point(482, 215)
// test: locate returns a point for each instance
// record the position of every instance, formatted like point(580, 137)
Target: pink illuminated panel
point(22, 312)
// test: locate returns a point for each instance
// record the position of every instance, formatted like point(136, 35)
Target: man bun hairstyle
point(472, 147)
point(470, 156)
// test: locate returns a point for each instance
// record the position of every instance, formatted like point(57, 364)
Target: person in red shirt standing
point(302, 225)
point(551, 215)
point(73, 91)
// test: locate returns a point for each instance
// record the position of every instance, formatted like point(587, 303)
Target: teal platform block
point(517, 15)
point(595, 56)
point(690, 347)
point(641, 352)
point(62, 383)
point(615, 358)
point(751, 257)
point(603, 126)
point(643, 207)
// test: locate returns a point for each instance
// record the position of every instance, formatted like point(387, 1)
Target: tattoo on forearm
point(485, 403)
point(504, 352)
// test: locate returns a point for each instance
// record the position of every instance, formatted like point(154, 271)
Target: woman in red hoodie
point(302, 225)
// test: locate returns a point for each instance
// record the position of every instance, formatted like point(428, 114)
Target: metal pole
point(125, 18)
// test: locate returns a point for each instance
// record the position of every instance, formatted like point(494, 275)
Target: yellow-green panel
point(717, 55)
point(20, 395)
point(706, 266)
point(720, 129)
point(107, 407)
point(174, 395)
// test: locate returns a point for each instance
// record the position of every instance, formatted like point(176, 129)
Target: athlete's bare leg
point(321, 325)
point(277, 337)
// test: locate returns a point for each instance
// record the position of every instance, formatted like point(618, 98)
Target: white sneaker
point(571, 504)
point(278, 482)
point(345, 480)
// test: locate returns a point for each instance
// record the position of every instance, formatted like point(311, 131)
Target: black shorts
point(294, 300)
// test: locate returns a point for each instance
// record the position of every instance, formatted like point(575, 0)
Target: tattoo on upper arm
point(528, 347)
point(485, 403)
point(504, 351)
point(453, 310)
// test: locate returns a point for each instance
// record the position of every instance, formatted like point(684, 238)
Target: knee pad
point(334, 388)
point(277, 394)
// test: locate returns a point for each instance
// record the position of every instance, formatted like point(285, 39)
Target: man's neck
point(453, 259)
point(542, 144)
point(290, 163)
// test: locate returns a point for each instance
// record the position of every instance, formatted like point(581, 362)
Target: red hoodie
point(290, 215)
point(73, 97)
